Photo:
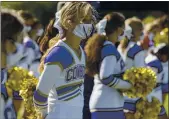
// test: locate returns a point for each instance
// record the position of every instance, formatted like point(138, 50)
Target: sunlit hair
point(149, 27)
point(134, 23)
point(75, 11)
point(25, 15)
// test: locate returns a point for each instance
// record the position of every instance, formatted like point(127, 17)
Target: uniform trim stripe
point(66, 90)
point(38, 97)
point(73, 84)
point(72, 97)
point(106, 109)
point(46, 104)
point(112, 85)
point(69, 95)
point(42, 94)
point(108, 80)
point(130, 106)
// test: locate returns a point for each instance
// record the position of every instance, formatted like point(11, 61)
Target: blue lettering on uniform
point(75, 73)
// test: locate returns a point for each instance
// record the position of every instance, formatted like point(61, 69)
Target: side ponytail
point(50, 32)
point(124, 43)
point(93, 53)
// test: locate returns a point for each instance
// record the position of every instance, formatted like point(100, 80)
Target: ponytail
point(50, 32)
point(124, 43)
point(93, 53)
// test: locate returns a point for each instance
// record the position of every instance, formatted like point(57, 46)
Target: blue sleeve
point(4, 91)
point(61, 55)
point(133, 51)
point(165, 88)
point(108, 50)
point(156, 64)
point(3, 73)
point(30, 44)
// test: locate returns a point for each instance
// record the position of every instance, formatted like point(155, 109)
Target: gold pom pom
point(23, 81)
point(161, 37)
point(143, 81)
point(150, 110)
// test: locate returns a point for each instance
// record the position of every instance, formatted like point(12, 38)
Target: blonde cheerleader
point(133, 56)
point(59, 93)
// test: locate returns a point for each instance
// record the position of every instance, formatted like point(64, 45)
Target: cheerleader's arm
point(46, 82)
point(139, 59)
point(107, 74)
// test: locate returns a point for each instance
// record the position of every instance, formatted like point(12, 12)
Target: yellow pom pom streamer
point(23, 81)
point(161, 37)
point(143, 81)
point(147, 110)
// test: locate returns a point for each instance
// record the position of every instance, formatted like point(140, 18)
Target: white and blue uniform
point(14, 58)
point(165, 82)
point(154, 63)
point(7, 107)
point(31, 44)
point(21, 57)
point(7, 110)
point(106, 102)
point(133, 56)
point(59, 92)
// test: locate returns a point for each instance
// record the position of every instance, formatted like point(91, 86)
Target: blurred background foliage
point(44, 11)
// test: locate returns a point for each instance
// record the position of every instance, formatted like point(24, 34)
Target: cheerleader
point(30, 43)
point(11, 28)
point(133, 56)
point(59, 93)
point(104, 63)
point(154, 61)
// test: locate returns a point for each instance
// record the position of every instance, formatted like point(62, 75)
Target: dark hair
point(49, 33)
point(95, 43)
point(36, 22)
point(164, 21)
point(10, 26)
point(114, 20)
point(164, 51)
point(93, 53)
point(25, 15)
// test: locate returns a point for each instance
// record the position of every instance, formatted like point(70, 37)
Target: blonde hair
point(134, 21)
point(74, 11)
point(151, 26)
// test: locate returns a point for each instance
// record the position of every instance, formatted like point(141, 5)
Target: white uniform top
point(31, 44)
point(154, 63)
point(165, 86)
point(133, 56)
point(23, 57)
point(105, 95)
point(7, 110)
point(60, 88)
